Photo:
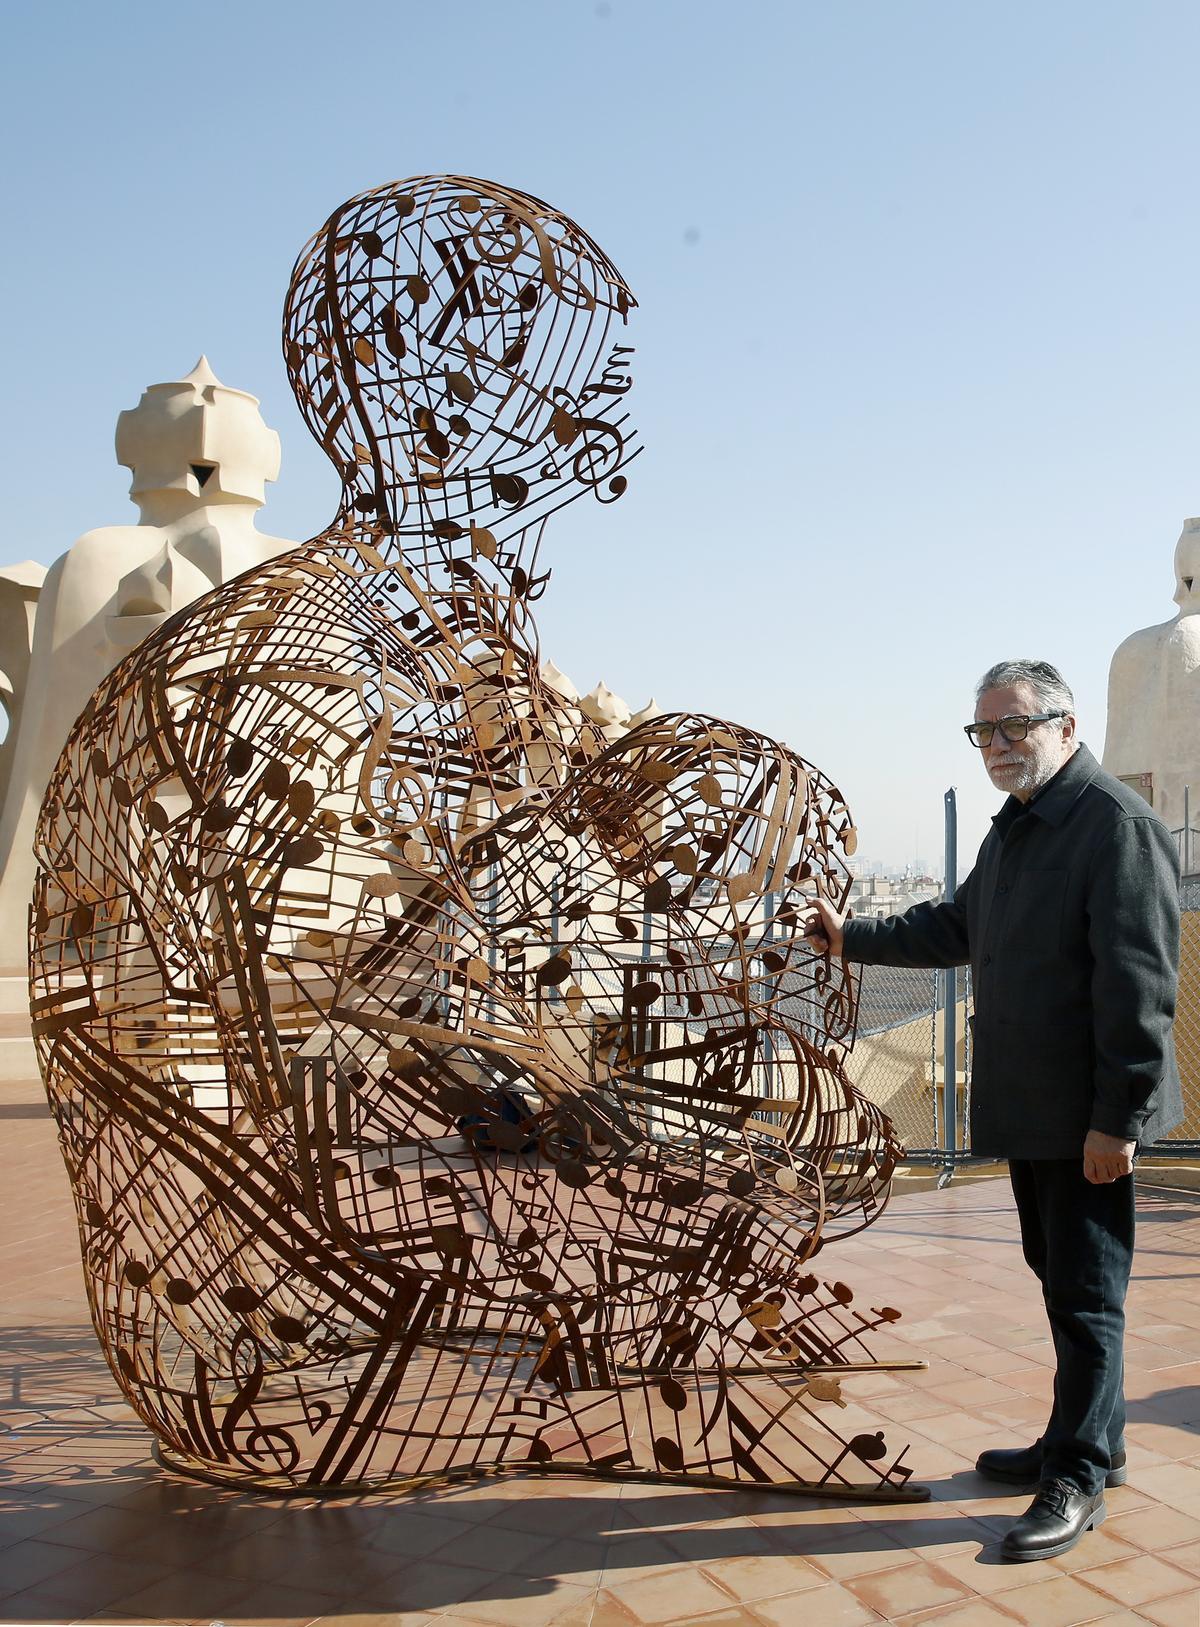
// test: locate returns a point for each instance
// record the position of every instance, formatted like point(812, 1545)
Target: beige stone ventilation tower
point(200, 456)
point(1153, 739)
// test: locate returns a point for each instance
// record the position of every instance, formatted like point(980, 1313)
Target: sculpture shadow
point(172, 1549)
point(46, 1368)
point(94, 1525)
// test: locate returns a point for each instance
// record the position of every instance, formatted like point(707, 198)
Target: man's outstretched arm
point(926, 935)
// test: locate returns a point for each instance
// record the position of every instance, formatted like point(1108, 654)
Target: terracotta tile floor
point(91, 1530)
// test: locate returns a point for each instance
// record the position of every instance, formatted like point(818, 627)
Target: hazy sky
point(917, 336)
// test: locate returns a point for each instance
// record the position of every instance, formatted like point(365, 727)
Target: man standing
point(1070, 923)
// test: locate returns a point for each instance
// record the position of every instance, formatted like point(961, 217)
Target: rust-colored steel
point(443, 1084)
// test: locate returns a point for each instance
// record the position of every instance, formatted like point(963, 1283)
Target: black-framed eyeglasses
point(1012, 728)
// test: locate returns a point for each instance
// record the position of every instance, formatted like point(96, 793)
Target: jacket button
point(987, 960)
point(1003, 887)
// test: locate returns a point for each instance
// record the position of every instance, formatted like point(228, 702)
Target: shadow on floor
point(175, 1550)
point(1178, 1407)
point(48, 1368)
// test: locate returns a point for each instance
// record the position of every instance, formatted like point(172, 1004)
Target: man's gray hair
point(1047, 682)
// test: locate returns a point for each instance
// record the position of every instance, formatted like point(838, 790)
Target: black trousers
point(1078, 1241)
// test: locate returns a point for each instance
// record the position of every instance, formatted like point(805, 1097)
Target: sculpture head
point(455, 347)
point(1187, 568)
point(198, 442)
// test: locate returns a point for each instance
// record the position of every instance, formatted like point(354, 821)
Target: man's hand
point(823, 927)
point(1107, 1158)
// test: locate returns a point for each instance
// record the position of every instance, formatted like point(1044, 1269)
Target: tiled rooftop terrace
point(91, 1529)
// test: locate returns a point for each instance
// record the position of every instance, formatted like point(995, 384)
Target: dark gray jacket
point(1070, 924)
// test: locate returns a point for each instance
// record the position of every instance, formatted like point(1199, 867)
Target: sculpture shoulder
point(99, 558)
point(273, 547)
point(106, 540)
point(1134, 679)
point(1184, 641)
point(1142, 646)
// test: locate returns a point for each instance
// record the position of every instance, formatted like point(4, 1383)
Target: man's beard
point(1025, 773)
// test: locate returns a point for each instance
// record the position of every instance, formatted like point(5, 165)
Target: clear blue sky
point(917, 343)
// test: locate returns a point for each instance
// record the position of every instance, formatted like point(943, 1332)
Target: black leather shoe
point(1022, 1466)
point(1053, 1523)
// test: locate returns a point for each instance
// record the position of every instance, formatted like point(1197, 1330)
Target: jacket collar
point(1057, 797)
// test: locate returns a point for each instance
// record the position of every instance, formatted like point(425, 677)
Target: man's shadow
point(1178, 1406)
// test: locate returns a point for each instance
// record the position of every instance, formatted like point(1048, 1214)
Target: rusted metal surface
point(416, 1049)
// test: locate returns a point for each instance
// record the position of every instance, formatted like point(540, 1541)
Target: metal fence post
point(950, 1004)
point(768, 1050)
point(553, 996)
point(1186, 855)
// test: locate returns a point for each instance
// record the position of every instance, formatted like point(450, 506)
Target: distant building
point(874, 897)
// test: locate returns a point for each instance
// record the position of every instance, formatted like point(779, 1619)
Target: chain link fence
point(1187, 1024)
point(894, 1061)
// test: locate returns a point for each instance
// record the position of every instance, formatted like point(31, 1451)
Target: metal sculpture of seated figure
point(444, 1086)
